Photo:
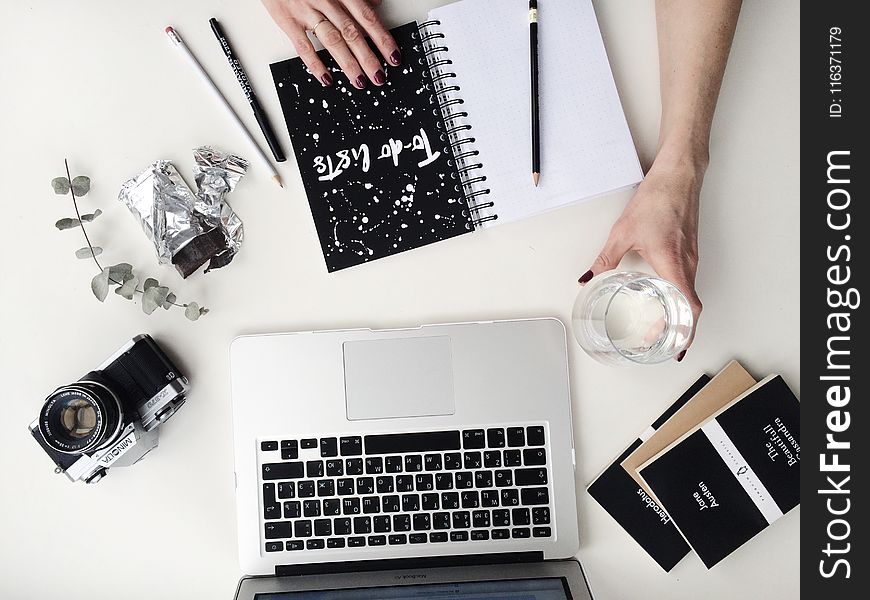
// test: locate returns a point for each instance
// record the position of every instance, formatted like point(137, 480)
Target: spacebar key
point(283, 470)
point(397, 443)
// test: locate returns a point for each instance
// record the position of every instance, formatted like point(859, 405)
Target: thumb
point(614, 249)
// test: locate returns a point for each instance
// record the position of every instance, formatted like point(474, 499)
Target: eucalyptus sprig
point(121, 275)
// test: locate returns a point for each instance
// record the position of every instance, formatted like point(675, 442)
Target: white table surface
point(99, 83)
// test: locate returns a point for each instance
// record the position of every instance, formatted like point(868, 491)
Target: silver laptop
point(386, 462)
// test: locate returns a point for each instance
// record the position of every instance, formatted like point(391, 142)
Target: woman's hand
point(661, 224)
point(342, 27)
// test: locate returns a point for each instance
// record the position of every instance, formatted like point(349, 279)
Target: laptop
point(435, 460)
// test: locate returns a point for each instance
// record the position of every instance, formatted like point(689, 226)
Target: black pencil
point(237, 68)
point(533, 61)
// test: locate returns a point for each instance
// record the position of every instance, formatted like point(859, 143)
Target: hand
point(342, 26)
point(661, 224)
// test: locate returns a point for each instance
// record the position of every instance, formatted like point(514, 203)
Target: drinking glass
point(622, 317)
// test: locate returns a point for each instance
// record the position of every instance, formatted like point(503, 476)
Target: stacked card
point(716, 468)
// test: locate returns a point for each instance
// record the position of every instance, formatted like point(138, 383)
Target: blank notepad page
point(586, 146)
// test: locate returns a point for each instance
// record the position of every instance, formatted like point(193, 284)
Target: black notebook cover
point(728, 480)
point(647, 523)
point(379, 178)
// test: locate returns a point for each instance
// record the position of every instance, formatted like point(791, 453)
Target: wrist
point(678, 169)
point(684, 153)
point(684, 148)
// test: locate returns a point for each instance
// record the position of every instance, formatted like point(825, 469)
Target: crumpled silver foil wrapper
point(187, 228)
point(163, 205)
point(216, 175)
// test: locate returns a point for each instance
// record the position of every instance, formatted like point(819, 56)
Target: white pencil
point(178, 43)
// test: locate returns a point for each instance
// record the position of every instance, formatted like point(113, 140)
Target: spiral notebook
point(444, 147)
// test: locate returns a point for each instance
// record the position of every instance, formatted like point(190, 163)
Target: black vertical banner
point(835, 53)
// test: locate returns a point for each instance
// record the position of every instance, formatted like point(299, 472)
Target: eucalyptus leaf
point(153, 297)
point(81, 185)
point(120, 271)
point(60, 185)
point(67, 223)
point(203, 310)
point(100, 285)
point(149, 302)
point(149, 283)
point(128, 288)
point(86, 252)
point(162, 293)
point(91, 216)
point(192, 311)
point(170, 300)
point(119, 278)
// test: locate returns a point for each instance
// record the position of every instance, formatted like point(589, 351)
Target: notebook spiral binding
point(455, 132)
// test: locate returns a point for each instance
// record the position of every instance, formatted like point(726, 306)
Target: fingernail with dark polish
point(584, 279)
point(681, 355)
point(326, 79)
point(380, 78)
point(360, 81)
point(396, 57)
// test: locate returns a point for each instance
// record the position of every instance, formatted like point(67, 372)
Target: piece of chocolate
point(198, 251)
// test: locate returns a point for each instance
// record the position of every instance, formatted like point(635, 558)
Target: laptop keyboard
point(405, 488)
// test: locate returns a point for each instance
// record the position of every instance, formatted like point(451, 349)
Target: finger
point(614, 249)
point(354, 37)
point(333, 40)
point(367, 17)
point(295, 32)
point(682, 275)
point(309, 56)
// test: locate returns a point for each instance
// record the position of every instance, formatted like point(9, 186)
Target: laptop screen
point(522, 589)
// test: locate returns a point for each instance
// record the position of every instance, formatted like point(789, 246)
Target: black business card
point(644, 520)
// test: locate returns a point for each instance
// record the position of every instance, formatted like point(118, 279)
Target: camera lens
point(81, 417)
point(78, 418)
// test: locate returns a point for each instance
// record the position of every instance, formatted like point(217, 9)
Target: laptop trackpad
point(398, 377)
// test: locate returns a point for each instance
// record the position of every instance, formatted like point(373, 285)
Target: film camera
point(111, 416)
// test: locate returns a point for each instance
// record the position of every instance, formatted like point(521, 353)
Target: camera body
point(111, 416)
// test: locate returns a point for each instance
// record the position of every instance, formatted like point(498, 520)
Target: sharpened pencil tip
point(277, 179)
point(535, 178)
